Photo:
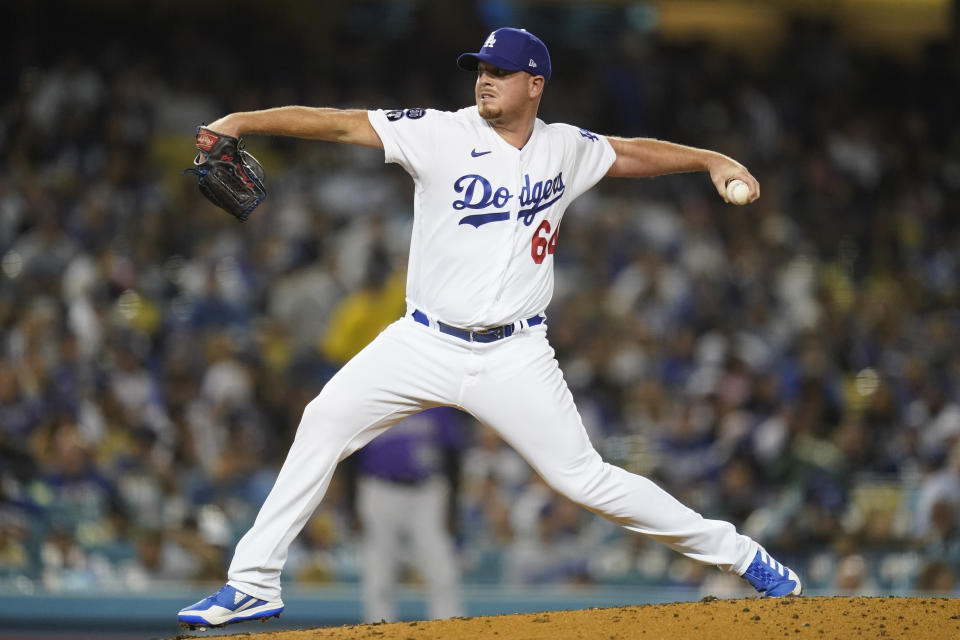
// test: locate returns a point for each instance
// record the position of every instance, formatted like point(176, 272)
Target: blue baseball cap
point(512, 50)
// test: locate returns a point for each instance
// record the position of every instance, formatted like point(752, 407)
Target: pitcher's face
point(502, 93)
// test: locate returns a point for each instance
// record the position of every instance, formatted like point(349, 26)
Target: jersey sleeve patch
point(393, 115)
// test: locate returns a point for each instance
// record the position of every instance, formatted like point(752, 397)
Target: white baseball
point(738, 192)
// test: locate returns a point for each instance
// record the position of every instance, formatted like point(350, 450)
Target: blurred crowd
point(792, 366)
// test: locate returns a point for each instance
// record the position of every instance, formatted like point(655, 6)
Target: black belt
point(485, 335)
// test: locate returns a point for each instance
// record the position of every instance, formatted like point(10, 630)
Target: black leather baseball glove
point(228, 175)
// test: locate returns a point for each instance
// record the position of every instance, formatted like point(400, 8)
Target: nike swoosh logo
point(476, 154)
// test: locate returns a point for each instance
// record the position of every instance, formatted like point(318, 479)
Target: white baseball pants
point(513, 385)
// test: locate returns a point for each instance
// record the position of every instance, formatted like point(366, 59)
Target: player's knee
point(584, 485)
point(321, 413)
point(312, 413)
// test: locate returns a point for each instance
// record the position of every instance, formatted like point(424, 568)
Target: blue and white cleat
point(771, 578)
point(227, 606)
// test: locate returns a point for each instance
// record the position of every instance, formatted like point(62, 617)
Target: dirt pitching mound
point(710, 619)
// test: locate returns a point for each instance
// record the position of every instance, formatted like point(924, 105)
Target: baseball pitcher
point(491, 184)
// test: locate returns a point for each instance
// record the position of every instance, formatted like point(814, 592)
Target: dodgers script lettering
point(478, 194)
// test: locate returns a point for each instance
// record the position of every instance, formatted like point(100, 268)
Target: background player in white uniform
point(491, 184)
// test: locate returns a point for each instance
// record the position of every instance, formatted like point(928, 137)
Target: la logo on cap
point(491, 40)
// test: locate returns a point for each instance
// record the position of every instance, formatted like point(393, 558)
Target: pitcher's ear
point(536, 85)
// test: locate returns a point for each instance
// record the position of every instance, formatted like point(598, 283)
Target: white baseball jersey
point(486, 214)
